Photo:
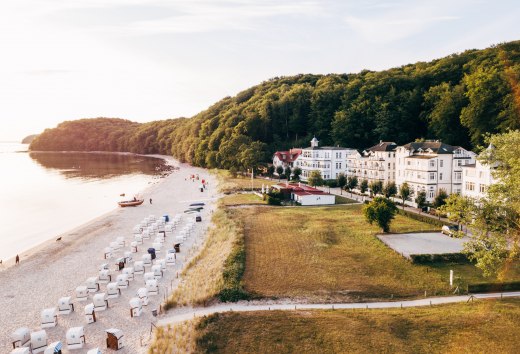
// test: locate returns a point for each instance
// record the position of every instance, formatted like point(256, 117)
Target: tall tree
point(341, 181)
point(315, 179)
point(404, 192)
point(381, 211)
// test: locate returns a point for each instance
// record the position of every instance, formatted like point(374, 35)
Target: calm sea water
point(45, 194)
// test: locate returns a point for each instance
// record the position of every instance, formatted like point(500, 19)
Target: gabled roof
point(288, 156)
point(435, 147)
point(383, 146)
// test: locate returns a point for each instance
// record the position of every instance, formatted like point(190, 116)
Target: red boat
point(127, 203)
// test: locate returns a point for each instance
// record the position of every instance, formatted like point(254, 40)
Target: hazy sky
point(155, 59)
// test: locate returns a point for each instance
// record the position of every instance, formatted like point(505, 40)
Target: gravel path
point(55, 269)
point(186, 313)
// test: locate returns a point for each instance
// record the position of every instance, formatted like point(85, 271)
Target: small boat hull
point(128, 203)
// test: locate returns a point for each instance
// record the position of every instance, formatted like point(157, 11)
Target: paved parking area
point(423, 243)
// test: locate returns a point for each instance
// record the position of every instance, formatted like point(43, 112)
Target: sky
point(147, 60)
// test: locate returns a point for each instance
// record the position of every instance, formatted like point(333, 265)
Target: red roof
point(301, 189)
point(288, 156)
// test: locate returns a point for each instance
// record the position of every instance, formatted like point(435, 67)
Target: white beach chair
point(157, 271)
point(104, 276)
point(170, 259)
point(147, 259)
point(113, 291)
point(114, 338)
point(92, 284)
point(138, 267)
point(157, 246)
point(21, 337)
point(75, 337)
point(136, 308)
point(81, 293)
point(137, 230)
point(100, 302)
point(49, 318)
point(142, 294)
point(138, 239)
point(146, 234)
point(133, 246)
point(128, 257)
point(90, 314)
point(153, 287)
point(129, 271)
point(65, 307)
point(162, 263)
point(38, 341)
point(94, 351)
point(21, 350)
point(122, 281)
point(148, 276)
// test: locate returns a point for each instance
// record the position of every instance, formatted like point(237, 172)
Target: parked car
point(449, 230)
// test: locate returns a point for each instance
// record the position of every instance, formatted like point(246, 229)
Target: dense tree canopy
point(456, 99)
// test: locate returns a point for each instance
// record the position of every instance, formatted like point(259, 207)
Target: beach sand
point(54, 269)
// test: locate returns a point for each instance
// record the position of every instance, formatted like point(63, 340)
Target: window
point(432, 176)
point(431, 194)
point(470, 186)
point(480, 174)
point(441, 163)
point(458, 176)
point(440, 176)
point(432, 163)
point(459, 162)
point(483, 188)
point(389, 165)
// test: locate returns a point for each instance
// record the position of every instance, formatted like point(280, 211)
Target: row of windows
point(470, 186)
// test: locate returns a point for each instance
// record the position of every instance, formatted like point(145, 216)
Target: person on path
point(17, 259)
point(150, 200)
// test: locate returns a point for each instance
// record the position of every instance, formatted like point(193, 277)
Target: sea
point(45, 194)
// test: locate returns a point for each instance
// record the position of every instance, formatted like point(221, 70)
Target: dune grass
point(203, 277)
point(179, 338)
point(332, 254)
point(488, 326)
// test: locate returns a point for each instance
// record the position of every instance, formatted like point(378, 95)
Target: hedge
point(493, 287)
point(439, 258)
point(423, 218)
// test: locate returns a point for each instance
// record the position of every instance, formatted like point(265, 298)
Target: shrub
point(493, 287)
point(273, 200)
point(422, 218)
point(380, 211)
point(439, 258)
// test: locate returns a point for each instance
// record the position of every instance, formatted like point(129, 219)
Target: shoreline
point(55, 269)
point(30, 252)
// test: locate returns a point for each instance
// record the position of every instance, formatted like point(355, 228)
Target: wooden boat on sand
point(127, 203)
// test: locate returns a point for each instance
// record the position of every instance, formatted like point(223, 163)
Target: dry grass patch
point(329, 254)
point(202, 279)
point(481, 327)
point(242, 199)
point(229, 184)
point(179, 338)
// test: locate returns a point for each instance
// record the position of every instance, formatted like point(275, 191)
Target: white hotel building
point(329, 160)
point(430, 166)
point(476, 179)
point(373, 164)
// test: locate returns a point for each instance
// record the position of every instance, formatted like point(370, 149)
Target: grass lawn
point(489, 326)
point(229, 184)
point(331, 254)
point(344, 200)
point(242, 199)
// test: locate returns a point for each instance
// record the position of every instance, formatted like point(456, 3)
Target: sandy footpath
point(55, 269)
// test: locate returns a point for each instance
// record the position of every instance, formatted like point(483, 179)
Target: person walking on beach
point(150, 200)
point(17, 259)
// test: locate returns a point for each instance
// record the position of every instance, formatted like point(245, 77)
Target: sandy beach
point(54, 269)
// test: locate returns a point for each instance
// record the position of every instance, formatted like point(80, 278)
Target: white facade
point(314, 199)
point(430, 166)
point(374, 164)
point(329, 160)
point(476, 179)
